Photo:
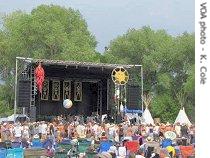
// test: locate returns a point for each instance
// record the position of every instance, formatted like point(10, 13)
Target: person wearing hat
point(36, 142)
point(5, 132)
point(150, 146)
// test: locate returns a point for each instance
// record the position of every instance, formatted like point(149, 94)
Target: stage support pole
point(15, 103)
point(142, 89)
point(16, 76)
point(24, 110)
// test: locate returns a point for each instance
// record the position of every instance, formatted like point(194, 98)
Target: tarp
point(182, 118)
point(13, 117)
point(3, 119)
point(147, 117)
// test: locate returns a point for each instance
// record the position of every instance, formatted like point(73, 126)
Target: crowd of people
point(75, 127)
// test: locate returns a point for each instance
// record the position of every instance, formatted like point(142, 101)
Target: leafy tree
point(49, 32)
point(165, 108)
point(5, 109)
point(140, 46)
point(167, 63)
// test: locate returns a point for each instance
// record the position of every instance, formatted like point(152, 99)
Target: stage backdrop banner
point(66, 90)
point(77, 91)
point(55, 90)
point(45, 90)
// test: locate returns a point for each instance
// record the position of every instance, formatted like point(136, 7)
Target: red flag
point(39, 74)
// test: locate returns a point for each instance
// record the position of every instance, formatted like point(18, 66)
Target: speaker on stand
point(23, 97)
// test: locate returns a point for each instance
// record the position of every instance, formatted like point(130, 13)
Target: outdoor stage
point(88, 85)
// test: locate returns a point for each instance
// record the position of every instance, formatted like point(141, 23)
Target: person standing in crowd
point(81, 130)
point(192, 134)
point(156, 131)
point(61, 131)
point(116, 134)
point(31, 129)
point(177, 129)
point(36, 128)
point(150, 130)
point(18, 131)
point(89, 132)
point(25, 131)
point(43, 130)
point(121, 133)
point(40, 130)
point(150, 137)
point(184, 130)
point(5, 132)
point(168, 127)
point(111, 132)
point(70, 130)
point(11, 127)
point(51, 129)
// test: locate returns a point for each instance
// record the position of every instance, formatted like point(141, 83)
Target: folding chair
point(187, 151)
point(3, 153)
point(132, 146)
point(36, 144)
point(16, 144)
point(148, 152)
point(105, 146)
point(15, 153)
point(47, 144)
point(122, 151)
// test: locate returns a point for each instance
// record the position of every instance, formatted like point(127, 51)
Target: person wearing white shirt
point(18, 131)
point(156, 131)
point(178, 130)
point(44, 130)
point(26, 131)
point(40, 129)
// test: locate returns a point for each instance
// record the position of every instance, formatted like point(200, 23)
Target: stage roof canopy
point(76, 63)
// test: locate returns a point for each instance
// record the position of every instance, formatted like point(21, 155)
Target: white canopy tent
point(147, 117)
point(12, 117)
point(182, 118)
point(9, 118)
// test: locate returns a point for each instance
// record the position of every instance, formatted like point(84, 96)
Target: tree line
point(54, 32)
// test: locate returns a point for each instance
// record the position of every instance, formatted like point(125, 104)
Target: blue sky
point(108, 19)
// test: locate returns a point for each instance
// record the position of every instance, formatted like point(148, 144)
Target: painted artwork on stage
point(66, 90)
point(77, 91)
point(45, 90)
point(55, 90)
